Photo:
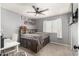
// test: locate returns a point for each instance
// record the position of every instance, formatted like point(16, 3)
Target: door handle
point(76, 47)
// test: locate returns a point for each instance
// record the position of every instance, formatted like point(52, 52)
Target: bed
point(35, 41)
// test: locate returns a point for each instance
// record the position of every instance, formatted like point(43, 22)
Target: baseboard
point(61, 44)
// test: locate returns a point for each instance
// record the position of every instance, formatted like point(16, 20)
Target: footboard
point(29, 44)
point(33, 44)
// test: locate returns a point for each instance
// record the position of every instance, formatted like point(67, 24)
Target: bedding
point(39, 38)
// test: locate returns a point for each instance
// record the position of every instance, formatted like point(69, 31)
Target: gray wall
point(53, 36)
point(10, 22)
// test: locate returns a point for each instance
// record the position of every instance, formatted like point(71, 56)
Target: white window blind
point(53, 26)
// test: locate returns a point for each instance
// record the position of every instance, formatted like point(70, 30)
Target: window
point(53, 26)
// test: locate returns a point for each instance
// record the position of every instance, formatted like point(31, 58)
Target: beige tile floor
point(50, 50)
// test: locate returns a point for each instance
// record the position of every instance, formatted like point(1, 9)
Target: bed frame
point(33, 44)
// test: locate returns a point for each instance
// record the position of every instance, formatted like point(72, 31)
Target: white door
point(74, 38)
point(74, 34)
point(0, 27)
point(78, 28)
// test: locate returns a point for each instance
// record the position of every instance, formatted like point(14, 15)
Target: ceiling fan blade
point(43, 10)
point(34, 8)
point(31, 12)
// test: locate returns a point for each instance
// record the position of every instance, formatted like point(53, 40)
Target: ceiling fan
point(37, 11)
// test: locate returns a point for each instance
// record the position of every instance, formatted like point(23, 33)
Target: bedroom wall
point(53, 36)
point(10, 22)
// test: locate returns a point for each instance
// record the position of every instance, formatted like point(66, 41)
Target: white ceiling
point(23, 8)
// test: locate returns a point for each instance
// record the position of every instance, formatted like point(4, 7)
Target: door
point(78, 28)
point(74, 33)
point(74, 38)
